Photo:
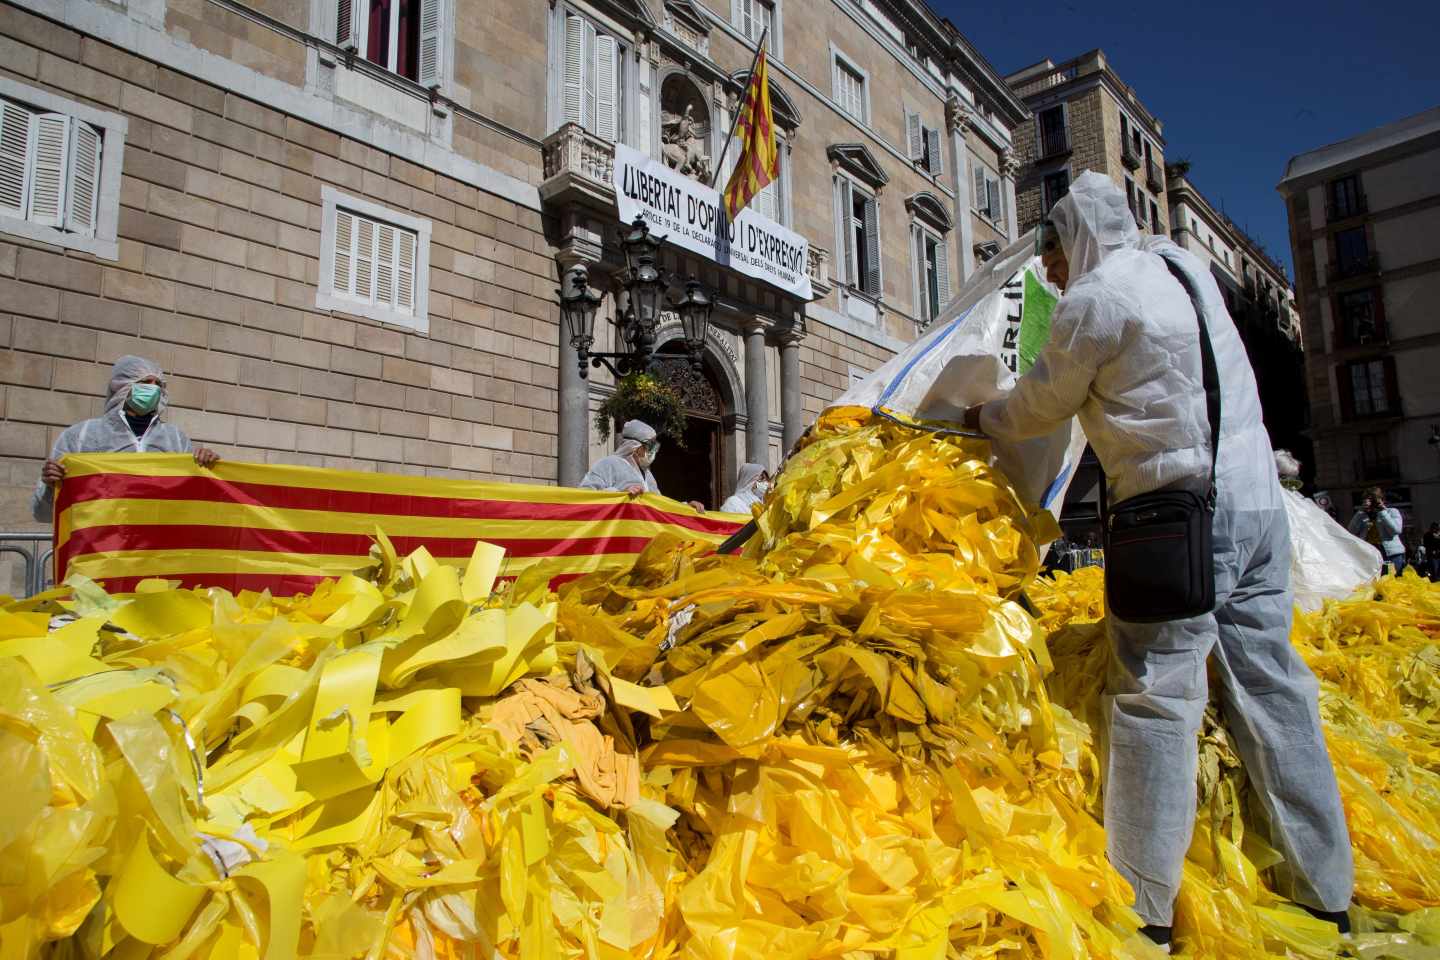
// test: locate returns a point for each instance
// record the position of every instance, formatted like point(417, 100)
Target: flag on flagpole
point(759, 163)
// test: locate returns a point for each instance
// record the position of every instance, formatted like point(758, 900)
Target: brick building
point(340, 226)
point(1365, 232)
point(1086, 118)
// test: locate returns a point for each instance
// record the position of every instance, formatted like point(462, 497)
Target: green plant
point(643, 396)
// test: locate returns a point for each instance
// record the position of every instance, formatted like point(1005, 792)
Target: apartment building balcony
point(1129, 157)
point(1353, 267)
point(1154, 176)
point(1053, 143)
point(817, 266)
point(579, 167)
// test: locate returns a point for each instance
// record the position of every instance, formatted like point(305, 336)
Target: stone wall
point(219, 245)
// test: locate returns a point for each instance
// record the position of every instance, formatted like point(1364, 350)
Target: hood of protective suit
point(634, 435)
point(127, 372)
point(1093, 221)
point(749, 473)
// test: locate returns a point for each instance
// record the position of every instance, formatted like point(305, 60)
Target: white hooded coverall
point(1124, 356)
point(618, 471)
point(110, 432)
point(745, 495)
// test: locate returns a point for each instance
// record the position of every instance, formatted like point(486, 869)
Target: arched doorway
point(698, 471)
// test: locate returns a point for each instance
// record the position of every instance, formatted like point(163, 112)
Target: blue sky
point(1240, 87)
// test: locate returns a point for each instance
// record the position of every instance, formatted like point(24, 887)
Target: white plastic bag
point(986, 336)
point(1326, 561)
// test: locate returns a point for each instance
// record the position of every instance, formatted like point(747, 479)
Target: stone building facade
point(1261, 301)
point(1086, 118)
point(1365, 232)
point(342, 238)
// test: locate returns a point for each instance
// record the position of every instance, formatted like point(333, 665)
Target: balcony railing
point(1353, 266)
point(1154, 176)
point(578, 165)
point(1054, 143)
point(1045, 81)
point(817, 266)
point(1129, 157)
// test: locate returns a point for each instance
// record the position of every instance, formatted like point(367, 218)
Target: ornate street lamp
point(639, 315)
point(694, 309)
point(577, 310)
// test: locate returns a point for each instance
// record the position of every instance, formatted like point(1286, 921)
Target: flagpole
point(720, 162)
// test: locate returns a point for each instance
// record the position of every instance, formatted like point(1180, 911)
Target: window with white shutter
point(374, 261)
point(849, 88)
point(58, 163)
point(986, 198)
point(934, 159)
point(914, 136)
point(857, 225)
point(754, 19)
point(979, 198)
point(932, 273)
point(405, 37)
point(592, 74)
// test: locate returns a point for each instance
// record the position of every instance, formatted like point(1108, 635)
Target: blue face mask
point(144, 397)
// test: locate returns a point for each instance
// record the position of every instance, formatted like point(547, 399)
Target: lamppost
point(638, 307)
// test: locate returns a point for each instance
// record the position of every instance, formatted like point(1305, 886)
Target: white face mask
point(647, 455)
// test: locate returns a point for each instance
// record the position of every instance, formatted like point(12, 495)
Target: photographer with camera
point(1380, 525)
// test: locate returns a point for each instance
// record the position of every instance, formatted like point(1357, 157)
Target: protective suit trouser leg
point(1272, 706)
point(1157, 692)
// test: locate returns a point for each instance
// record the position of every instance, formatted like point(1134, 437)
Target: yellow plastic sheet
point(851, 741)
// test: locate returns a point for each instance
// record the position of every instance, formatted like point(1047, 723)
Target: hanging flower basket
point(644, 396)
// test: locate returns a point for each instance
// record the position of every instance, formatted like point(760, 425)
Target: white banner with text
point(692, 216)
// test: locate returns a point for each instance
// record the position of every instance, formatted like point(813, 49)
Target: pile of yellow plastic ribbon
point(850, 741)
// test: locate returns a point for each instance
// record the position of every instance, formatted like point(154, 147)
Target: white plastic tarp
point(981, 341)
point(1328, 561)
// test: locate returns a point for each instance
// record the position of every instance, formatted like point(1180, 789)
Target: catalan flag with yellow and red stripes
point(759, 163)
point(123, 518)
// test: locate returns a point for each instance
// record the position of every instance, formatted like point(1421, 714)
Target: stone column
point(1009, 167)
point(757, 393)
point(792, 411)
point(574, 419)
point(957, 121)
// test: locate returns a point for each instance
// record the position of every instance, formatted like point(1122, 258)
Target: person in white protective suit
point(751, 486)
point(627, 470)
point(1124, 356)
point(135, 403)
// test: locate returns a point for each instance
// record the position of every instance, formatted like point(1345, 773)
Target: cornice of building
point(1391, 138)
point(1182, 191)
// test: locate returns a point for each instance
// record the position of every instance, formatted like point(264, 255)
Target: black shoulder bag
point(1159, 547)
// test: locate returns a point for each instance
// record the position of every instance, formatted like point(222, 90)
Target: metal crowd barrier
point(35, 549)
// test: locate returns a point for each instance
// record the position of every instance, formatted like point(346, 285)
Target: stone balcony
point(579, 168)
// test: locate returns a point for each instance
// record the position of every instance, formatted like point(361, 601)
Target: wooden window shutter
point(15, 137)
point(432, 47)
point(846, 217)
point(937, 159)
point(914, 136)
point(917, 254)
point(343, 266)
point(385, 264)
point(942, 270)
point(982, 200)
point(1392, 388)
point(1346, 379)
point(405, 271)
point(607, 67)
point(347, 23)
point(84, 186)
point(364, 258)
point(574, 84)
point(587, 78)
point(872, 247)
point(992, 190)
point(747, 19)
point(49, 173)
